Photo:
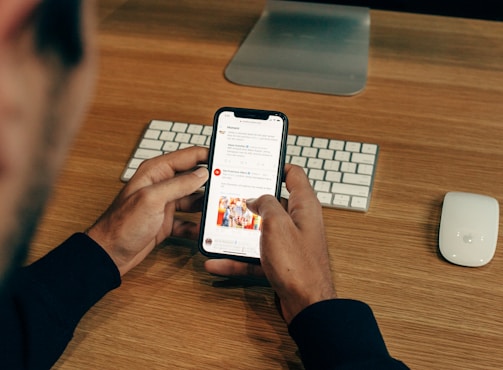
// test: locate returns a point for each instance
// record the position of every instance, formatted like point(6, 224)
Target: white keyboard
point(341, 172)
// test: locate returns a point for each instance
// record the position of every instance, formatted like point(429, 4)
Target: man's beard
point(34, 197)
point(29, 211)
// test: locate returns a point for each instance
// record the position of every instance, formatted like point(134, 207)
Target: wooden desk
point(434, 104)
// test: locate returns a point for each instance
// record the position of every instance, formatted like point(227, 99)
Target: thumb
point(266, 206)
point(275, 223)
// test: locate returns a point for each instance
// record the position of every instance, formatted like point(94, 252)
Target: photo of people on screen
point(233, 212)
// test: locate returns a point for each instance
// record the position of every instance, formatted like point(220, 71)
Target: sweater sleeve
point(340, 334)
point(44, 302)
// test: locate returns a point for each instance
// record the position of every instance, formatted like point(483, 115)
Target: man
point(46, 76)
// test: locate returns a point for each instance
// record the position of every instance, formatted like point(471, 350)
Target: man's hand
point(142, 215)
point(293, 250)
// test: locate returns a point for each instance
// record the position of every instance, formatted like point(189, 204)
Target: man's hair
point(58, 30)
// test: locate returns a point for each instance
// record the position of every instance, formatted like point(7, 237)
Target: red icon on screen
point(217, 172)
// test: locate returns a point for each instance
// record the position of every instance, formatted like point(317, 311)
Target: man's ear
point(14, 15)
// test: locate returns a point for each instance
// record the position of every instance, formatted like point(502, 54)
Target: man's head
point(46, 75)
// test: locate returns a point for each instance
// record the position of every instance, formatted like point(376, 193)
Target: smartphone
point(246, 160)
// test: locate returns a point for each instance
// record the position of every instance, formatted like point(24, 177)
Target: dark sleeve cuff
point(45, 301)
point(340, 333)
point(75, 276)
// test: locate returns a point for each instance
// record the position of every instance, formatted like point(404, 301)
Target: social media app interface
point(245, 165)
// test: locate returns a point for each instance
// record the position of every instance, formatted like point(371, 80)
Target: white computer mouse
point(468, 231)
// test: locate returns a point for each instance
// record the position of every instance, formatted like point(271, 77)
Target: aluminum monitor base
point(321, 48)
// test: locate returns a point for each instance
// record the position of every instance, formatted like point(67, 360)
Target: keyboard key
point(167, 136)
point(348, 167)
point(185, 145)
point(147, 153)
point(182, 138)
point(293, 150)
point(315, 163)
point(128, 173)
point(324, 198)
point(363, 158)
point(316, 174)
point(170, 146)
point(135, 163)
point(336, 145)
point(359, 202)
point(161, 125)
point(207, 130)
point(152, 134)
point(362, 191)
point(151, 144)
point(309, 152)
point(195, 129)
point(326, 154)
point(339, 171)
point(351, 178)
point(304, 141)
point(322, 186)
point(331, 165)
point(198, 140)
point(299, 161)
point(179, 127)
point(333, 176)
point(341, 200)
point(342, 156)
point(352, 146)
point(320, 143)
point(365, 169)
point(369, 148)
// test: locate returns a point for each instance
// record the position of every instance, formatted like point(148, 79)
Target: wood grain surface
point(433, 103)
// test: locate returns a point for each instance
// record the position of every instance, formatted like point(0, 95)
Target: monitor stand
point(314, 47)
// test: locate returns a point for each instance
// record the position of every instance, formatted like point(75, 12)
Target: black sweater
point(42, 304)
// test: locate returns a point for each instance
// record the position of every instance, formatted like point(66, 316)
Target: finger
point(166, 166)
point(301, 193)
point(186, 159)
point(157, 202)
point(178, 187)
point(284, 203)
point(266, 206)
point(302, 202)
point(297, 181)
point(185, 229)
point(191, 203)
point(227, 267)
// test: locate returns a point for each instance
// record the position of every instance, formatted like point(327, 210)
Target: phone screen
point(246, 161)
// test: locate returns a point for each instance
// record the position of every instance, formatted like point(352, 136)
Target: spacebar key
point(361, 191)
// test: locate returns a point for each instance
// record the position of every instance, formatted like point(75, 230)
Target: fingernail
point(201, 172)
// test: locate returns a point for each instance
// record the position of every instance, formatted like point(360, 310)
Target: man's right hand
point(293, 250)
